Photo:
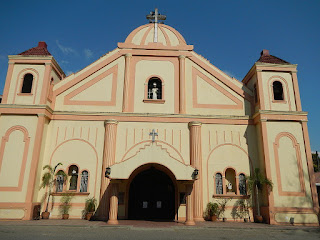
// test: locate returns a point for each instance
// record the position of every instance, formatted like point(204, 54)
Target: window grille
point(219, 189)
point(242, 184)
point(59, 184)
point(84, 182)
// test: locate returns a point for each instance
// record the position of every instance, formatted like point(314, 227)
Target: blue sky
point(231, 34)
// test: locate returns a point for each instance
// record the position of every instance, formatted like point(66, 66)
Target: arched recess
point(79, 152)
point(151, 152)
point(226, 156)
point(287, 159)
point(286, 94)
point(135, 149)
point(19, 83)
point(147, 167)
point(18, 152)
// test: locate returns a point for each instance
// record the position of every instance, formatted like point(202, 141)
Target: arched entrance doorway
point(152, 196)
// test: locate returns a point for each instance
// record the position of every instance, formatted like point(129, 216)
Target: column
point(113, 212)
point(182, 91)
point(32, 190)
point(108, 159)
point(189, 205)
point(125, 104)
point(296, 91)
point(196, 162)
point(46, 82)
point(7, 84)
point(310, 166)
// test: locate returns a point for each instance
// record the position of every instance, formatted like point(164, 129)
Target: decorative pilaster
point(113, 212)
point(196, 162)
point(7, 84)
point(108, 159)
point(296, 90)
point(189, 205)
point(125, 104)
point(36, 155)
point(182, 91)
point(46, 82)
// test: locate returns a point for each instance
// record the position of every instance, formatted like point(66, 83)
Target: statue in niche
point(230, 187)
point(154, 91)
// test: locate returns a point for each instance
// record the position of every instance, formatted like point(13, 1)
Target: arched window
point(277, 90)
point(84, 181)
point(73, 173)
point(27, 83)
point(154, 88)
point(242, 184)
point(231, 180)
point(60, 181)
point(219, 188)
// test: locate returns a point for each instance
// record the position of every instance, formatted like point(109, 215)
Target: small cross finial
point(153, 134)
point(155, 16)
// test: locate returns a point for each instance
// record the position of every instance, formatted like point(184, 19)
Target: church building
point(153, 130)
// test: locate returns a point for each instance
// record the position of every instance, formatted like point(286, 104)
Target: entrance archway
point(152, 195)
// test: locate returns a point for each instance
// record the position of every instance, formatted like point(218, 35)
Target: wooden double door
point(152, 196)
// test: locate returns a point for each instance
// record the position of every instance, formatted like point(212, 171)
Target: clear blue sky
point(230, 34)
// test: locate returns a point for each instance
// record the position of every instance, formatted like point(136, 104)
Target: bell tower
point(31, 75)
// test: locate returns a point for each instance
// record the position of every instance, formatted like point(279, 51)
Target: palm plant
point(255, 183)
point(48, 180)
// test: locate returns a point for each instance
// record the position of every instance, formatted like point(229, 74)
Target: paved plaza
point(81, 229)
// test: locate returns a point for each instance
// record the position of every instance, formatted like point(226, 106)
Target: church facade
point(153, 130)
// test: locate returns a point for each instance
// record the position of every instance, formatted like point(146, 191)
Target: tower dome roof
point(155, 36)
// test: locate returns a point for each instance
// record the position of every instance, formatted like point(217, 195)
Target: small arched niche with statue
point(154, 90)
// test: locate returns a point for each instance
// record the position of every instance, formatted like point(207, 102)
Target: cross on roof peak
point(155, 16)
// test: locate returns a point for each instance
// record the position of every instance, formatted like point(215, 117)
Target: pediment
point(207, 93)
point(99, 91)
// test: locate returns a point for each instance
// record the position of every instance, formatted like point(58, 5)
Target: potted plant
point(256, 182)
point(48, 182)
point(222, 208)
point(90, 207)
point(242, 210)
point(65, 204)
point(211, 211)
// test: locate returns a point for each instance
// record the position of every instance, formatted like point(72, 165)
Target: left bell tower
point(31, 75)
point(25, 114)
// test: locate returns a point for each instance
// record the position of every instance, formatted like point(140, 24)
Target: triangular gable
point(211, 70)
point(84, 95)
point(86, 72)
point(214, 96)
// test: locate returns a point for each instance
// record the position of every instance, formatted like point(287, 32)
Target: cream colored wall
point(100, 91)
point(286, 80)
point(19, 71)
point(225, 146)
point(132, 137)
point(12, 213)
point(250, 84)
point(80, 143)
point(207, 94)
point(55, 77)
point(41, 159)
point(298, 218)
point(288, 165)
point(12, 156)
point(145, 69)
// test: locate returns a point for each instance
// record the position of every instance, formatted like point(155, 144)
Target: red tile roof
point(267, 58)
point(40, 50)
point(317, 176)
